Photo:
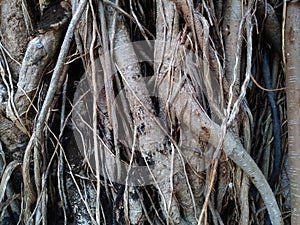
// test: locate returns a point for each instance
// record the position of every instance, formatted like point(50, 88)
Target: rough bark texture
point(14, 35)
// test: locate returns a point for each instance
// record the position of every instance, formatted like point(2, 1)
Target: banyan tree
point(149, 112)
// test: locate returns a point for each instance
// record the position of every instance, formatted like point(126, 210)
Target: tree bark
point(292, 67)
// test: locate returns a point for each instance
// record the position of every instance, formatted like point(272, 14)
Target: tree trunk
point(292, 52)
